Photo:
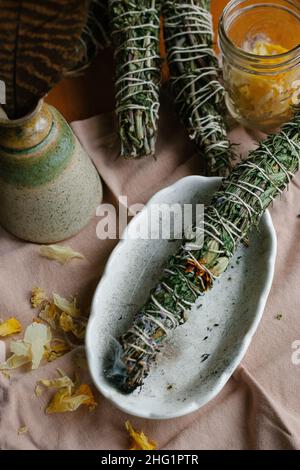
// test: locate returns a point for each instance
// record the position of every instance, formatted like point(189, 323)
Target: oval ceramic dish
point(201, 355)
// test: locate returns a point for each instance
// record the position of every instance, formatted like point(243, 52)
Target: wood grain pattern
point(38, 42)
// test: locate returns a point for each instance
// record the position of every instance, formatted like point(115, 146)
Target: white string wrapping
point(135, 33)
point(194, 74)
point(215, 224)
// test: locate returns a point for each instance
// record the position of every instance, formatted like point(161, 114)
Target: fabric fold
point(259, 406)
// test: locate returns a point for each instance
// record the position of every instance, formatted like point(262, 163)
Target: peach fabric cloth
point(259, 406)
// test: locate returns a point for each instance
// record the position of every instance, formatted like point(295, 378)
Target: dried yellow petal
point(38, 296)
point(60, 253)
point(49, 314)
point(21, 348)
point(66, 306)
point(265, 48)
point(76, 326)
point(60, 382)
point(30, 349)
point(139, 440)
point(10, 326)
point(85, 390)
point(59, 402)
point(14, 361)
point(63, 402)
point(257, 95)
point(66, 322)
point(38, 335)
point(79, 328)
point(56, 349)
point(23, 430)
point(68, 396)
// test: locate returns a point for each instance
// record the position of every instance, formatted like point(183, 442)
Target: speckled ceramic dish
point(202, 354)
point(49, 187)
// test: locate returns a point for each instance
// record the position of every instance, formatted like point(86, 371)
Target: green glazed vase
point(49, 187)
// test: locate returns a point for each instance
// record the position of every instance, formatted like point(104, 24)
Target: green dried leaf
point(135, 29)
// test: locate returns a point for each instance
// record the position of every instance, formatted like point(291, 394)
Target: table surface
point(92, 92)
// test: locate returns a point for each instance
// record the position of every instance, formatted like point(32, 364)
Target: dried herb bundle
point(135, 34)
point(194, 80)
point(235, 209)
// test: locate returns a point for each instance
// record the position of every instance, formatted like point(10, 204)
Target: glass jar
point(260, 44)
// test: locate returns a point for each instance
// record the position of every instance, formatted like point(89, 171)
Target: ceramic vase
point(49, 187)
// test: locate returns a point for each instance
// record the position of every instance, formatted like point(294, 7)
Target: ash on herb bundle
point(235, 209)
point(135, 34)
point(194, 74)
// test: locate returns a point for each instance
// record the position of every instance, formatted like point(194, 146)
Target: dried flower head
point(29, 350)
point(38, 296)
point(69, 396)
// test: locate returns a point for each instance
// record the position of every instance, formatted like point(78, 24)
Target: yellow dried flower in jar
point(261, 61)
